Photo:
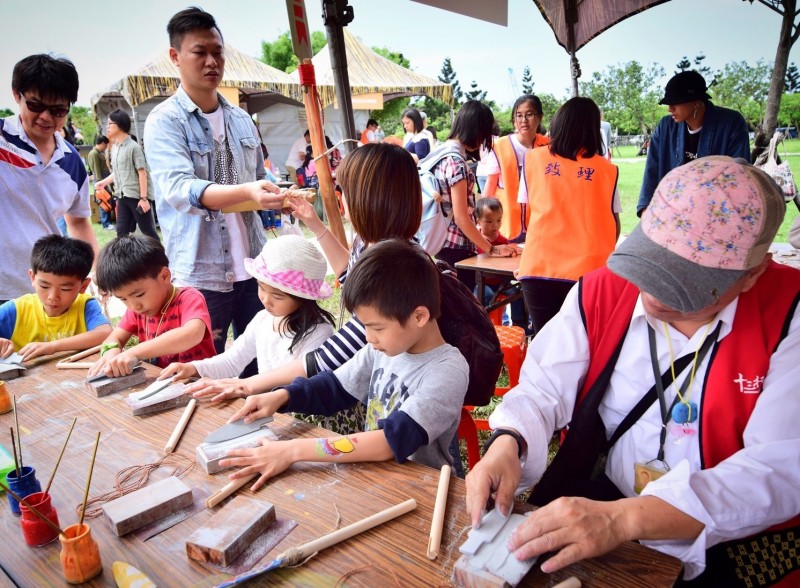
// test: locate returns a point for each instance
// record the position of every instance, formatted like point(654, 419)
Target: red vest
point(740, 360)
point(512, 224)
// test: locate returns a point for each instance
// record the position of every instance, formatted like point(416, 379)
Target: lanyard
point(666, 413)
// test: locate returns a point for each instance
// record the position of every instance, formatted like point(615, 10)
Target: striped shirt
point(32, 197)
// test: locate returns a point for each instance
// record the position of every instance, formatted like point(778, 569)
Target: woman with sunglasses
point(42, 177)
point(504, 164)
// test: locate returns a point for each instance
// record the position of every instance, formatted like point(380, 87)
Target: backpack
point(432, 231)
point(465, 325)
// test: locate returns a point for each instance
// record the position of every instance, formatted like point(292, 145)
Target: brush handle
point(23, 502)
point(82, 354)
point(227, 490)
point(180, 427)
point(439, 507)
point(74, 365)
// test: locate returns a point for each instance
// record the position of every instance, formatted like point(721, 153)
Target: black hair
point(304, 320)
point(127, 259)
point(432, 130)
point(473, 125)
point(309, 156)
point(371, 122)
point(414, 116)
point(62, 256)
point(575, 129)
point(189, 20)
point(486, 203)
point(393, 276)
point(533, 99)
point(121, 119)
point(100, 140)
point(53, 78)
point(307, 133)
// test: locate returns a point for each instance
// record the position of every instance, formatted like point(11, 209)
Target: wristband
point(521, 445)
point(108, 346)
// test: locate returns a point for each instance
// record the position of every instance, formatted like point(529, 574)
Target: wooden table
point(392, 554)
point(483, 264)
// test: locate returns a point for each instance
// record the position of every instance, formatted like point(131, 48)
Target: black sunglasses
point(38, 108)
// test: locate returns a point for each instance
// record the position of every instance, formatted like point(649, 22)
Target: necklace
point(161, 320)
point(684, 411)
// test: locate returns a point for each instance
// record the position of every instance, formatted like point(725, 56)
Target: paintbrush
point(23, 502)
point(14, 449)
point(60, 455)
point(89, 481)
point(19, 439)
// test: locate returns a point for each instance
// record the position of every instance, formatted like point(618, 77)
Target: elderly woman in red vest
point(505, 164)
point(571, 191)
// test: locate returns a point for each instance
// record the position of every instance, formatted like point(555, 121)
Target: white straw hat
point(292, 265)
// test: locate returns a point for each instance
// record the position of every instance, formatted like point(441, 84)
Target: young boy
point(489, 212)
point(172, 323)
point(60, 316)
point(411, 381)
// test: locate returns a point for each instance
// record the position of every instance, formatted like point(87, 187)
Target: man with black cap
point(693, 128)
point(676, 369)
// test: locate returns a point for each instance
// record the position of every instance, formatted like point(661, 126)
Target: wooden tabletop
point(392, 554)
point(491, 264)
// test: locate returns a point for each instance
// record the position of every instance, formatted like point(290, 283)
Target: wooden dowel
point(82, 354)
point(16, 425)
point(571, 582)
point(227, 490)
point(180, 427)
point(89, 481)
point(303, 551)
point(14, 449)
point(74, 365)
point(33, 510)
point(60, 455)
point(439, 507)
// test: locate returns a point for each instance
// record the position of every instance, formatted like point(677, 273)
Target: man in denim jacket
point(205, 156)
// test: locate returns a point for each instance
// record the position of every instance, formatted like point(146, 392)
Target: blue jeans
point(237, 307)
point(268, 218)
point(105, 218)
point(519, 316)
point(62, 226)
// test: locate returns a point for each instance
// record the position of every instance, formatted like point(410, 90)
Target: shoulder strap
point(435, 156)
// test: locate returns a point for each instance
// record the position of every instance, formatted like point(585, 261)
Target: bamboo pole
point(180, 427)
point(437, 521)
point(227, 490)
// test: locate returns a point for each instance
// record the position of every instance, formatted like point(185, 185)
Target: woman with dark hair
point(571, 190)
point(416, 142)
point(504, 164)
point(693, 128)
point(472, 129)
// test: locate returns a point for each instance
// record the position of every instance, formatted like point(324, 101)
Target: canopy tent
point(373, 74)
point(259, 86)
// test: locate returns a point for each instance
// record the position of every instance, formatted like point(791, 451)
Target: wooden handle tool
point(439, 508)
point(227, 490)
point(180, 427)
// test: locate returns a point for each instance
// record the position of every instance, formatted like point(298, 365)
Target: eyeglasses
point(525, 116)
point(56, 110)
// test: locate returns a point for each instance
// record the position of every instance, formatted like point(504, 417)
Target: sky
point(109, 39)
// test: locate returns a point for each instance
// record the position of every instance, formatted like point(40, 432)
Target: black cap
point(686, 86)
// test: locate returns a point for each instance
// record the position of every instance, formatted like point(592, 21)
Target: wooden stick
point(19, 440)
point(307, 549)
point(571, 582)
point(82, 354)
point(33, 510)
point(180, 427)
point(227, 490)
point(437, 521)
point(14, 449)
point(89, 481)
point(74, 365)
point(60, 455)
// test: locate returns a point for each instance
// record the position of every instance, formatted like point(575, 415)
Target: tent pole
point(336, 15)
point(571, 18)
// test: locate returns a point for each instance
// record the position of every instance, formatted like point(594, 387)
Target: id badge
point(644, 473)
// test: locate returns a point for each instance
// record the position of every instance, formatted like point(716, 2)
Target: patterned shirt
point(448, 172)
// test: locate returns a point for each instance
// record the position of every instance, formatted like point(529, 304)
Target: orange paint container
point(5, 398)
point(80, 556)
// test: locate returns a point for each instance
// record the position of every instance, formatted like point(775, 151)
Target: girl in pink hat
point(291, 281)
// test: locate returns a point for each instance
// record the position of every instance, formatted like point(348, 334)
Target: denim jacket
point(180, 150)
point(724, 133)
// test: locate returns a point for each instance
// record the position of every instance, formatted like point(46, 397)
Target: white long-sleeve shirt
point(262, 341)
point(755, 488)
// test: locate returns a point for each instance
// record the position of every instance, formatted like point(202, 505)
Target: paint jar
point(80, 556)
point(6, 465)
point(35, 531)
point(5, 398)
point(22, 486)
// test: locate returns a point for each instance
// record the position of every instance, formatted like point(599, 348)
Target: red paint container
point(36, 532)
point(80, 556)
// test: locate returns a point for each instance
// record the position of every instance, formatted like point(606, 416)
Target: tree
point(788, 35)
point(789, 114)
point(280, 53)
point(83, 118)
point(744, 88)
point(448, 76)
point(389, 116)
point(792, 83)
point(704, 70)
point(475, 93)
point(397, 58)
point(4, 112)
point(683, 65)
point(527, 81)
point(628, 94)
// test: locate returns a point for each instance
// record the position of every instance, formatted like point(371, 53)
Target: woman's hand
point(269, 460)
point(260, 405)
point(304, 210)
point(222, 389)
point(178, 371)
point(509, 250)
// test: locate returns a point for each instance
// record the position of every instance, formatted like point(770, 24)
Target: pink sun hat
point(292, 265)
